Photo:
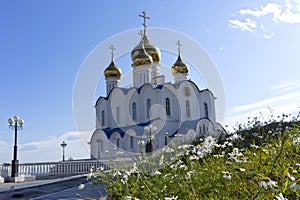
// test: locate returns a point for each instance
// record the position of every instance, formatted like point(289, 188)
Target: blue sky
point(254, 44)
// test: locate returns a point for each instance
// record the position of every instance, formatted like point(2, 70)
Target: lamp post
point(17, 124)
point(63, 145)
point(149, 130)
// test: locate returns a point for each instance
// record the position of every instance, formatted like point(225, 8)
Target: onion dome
point(150, 49)
point(153, 51)
point(139, 56)
point(179, 67)
point(112, 71)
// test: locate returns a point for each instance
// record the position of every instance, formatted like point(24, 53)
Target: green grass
point(258, 161)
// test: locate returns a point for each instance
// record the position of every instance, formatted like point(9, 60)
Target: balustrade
point(61, 168)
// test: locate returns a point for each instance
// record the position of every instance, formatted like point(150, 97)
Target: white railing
point(61, 168)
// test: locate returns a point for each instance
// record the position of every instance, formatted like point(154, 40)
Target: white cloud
point(50, 149)
point(269, 36)
point(288, 12)
point(267, 102)
point(287, 104)
point(286, 85)
point(247, 25)
point(270, 8)
point(264, 114)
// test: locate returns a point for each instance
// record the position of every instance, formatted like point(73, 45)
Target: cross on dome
point(144, 15)
point(112, 47)
point(179, 45)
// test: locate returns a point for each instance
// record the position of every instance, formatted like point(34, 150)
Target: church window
point(118, 142)
point(187, 109)
point(102, 118)
point(166, 140)
point(131, 142)
point(140, 78)
point(168, 109)
point(118, 114)
point(134, 111)
point(144, 78)
point(148, 107)
point(206, 110)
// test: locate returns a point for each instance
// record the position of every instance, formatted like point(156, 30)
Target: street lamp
point(17, 124)
point(63, 145)
point(149, 130)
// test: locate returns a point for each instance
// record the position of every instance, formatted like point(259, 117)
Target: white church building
point(152, 113)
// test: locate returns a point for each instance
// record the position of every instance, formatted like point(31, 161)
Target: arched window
point(166, 140)
point(168, 109)
point(118, 142)
point(205, 110)
point(118, 114)
point(148, 107)
point(134, 111)
point(102, 118)
point(131, 142)
point(187, 109)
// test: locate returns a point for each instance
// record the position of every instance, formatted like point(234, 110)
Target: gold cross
point(112, 47)
point(144, 15)
point(179, 45)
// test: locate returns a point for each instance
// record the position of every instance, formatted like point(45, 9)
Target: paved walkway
point(62, 188)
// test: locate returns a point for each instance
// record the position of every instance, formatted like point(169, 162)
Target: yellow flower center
point(266, 179)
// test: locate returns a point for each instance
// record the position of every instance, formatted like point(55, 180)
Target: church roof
point(138, 128)
point(154, 87)
point(187, 125)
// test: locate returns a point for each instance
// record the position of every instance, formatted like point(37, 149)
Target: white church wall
point(205, 128)
point(117, 102)
point(206, 97)
point(146, 93)
point(133, 98)
point(188, 92)
point(155, 72)
point(168, 91)
point(130, 141)
point(141, 75)
point(98, 144)
point(101, 106)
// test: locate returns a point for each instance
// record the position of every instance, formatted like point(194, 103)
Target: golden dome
point(112, 71)
point(153, 51)
point(179, 67)
point(145, 45)
point(139, 56)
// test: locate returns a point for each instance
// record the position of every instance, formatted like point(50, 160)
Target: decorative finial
point(112, 47)
point(144, 15)
point(179, 45)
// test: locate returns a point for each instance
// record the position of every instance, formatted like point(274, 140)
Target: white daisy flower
point(296, 185)
point(81, 186)
point(268, 183)
point(226, 175)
